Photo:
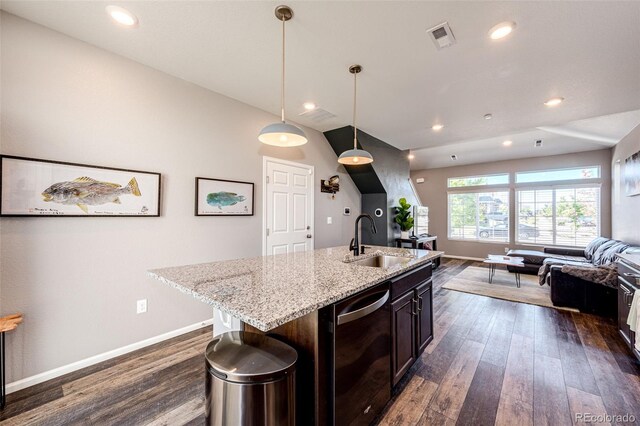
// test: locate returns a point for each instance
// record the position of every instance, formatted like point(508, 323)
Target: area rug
point(475, 279)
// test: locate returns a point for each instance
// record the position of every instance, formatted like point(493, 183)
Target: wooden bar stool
point(8, 323)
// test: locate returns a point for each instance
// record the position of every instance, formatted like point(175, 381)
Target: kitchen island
point(294, 297)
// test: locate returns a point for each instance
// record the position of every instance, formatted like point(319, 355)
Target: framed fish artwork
point(35, 187)
point(219, 197)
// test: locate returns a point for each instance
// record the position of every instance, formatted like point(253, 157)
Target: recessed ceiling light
point(507, 143)
point(310, 106)
point(411, 156)
point(122, 16)
point(437, 127)
point(554, 101)
point(501, 30)
point(488, 116)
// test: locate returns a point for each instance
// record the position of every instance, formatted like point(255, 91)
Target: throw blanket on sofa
point(604, 274)
point(544, 270)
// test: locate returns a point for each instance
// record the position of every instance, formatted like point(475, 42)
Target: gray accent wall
point(624, 217)
point(433, 193)
point(76, 280)
point(381, 183)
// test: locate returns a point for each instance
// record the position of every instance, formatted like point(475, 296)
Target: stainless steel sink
point(382, 261)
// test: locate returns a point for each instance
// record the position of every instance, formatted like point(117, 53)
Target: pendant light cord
point(282, 89)
point(355, 130)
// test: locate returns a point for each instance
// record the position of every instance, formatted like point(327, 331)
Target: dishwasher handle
point(362, 312)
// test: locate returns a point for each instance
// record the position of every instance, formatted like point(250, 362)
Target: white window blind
point(480, 216)
point(564, 216)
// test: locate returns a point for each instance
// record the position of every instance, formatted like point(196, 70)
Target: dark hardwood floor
point(491, 362)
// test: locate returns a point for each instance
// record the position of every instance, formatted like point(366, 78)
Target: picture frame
point(32, 187)
point(221, 197)
point(632, 175)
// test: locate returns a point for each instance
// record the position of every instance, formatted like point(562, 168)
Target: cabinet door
point(625, 296)
point(403, 330)
point(424, 331)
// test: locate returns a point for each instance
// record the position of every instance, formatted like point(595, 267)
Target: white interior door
point(288, 202)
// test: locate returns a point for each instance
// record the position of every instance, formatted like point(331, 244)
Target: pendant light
point(281, 133)
point(355, 156)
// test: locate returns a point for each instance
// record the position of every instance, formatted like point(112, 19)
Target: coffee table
point(496, 259)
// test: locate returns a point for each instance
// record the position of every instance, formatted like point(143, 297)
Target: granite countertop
point(632, 257)
point(269, 291)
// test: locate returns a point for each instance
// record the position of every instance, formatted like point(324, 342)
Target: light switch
point(329, 220)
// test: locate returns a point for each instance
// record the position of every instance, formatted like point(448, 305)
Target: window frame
point(563, 181)
point(508, 175)
point(536, 186)
point(478, 190)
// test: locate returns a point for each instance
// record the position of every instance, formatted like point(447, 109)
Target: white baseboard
point(450, 256)
point(74, 366)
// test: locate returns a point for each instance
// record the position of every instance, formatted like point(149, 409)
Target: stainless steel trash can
point(250, 381)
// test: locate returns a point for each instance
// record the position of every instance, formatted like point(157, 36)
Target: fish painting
point(85, 191)
point(222, 199)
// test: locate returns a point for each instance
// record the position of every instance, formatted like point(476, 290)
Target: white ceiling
point(582, 135)
point(587, 52)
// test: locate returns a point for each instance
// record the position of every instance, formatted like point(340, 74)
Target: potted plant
point(403, 217)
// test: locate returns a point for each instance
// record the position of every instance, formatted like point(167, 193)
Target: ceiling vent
point(317, 115)
point(454, 157)
point(538, 143)
point(442, 36)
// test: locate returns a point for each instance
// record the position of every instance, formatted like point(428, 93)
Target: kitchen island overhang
point(269, 291)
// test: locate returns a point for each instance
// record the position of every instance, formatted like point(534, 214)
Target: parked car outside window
point(502, 231)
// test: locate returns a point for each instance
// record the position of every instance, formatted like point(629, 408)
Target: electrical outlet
point(329, 220)
point(506, 250)
point(141, 306)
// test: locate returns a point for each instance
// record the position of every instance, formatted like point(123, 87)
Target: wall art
point(218, 197)
point(632, 175)
point(34, 187)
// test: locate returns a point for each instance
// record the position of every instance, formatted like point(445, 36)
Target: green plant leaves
point(403, 215)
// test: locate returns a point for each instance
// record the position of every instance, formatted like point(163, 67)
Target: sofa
point(568, 290)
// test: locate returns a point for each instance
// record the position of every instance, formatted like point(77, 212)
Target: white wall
point(624, 216)
point(76, 280)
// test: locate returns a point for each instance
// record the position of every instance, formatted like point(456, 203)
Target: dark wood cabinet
point(411, 319)
point(625, 296)
point(403, 331)
point(424, 333)
point(628, 284)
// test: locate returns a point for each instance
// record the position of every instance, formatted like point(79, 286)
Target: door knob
point(308, 235)
point(308, 227)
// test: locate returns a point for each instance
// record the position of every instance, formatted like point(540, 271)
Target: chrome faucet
point(355, 242)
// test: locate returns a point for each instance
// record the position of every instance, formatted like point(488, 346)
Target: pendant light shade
point(355, 156)
point(282, 134)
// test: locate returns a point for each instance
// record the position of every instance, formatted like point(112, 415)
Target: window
point(566, 216)
point(481, 216)
point(579, 173)
point(501, 179)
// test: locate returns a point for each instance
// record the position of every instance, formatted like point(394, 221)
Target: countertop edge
point(268, 326)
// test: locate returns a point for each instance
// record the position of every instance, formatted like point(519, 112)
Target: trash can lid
point(239, 356)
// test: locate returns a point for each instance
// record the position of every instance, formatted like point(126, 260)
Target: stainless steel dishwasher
point(361, 379)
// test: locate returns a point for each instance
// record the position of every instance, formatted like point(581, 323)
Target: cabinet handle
point(414, 303)
point(628, 298)
point(630, 275)
point(419, 303)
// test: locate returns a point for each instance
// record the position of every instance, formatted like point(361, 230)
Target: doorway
point(287, 207)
